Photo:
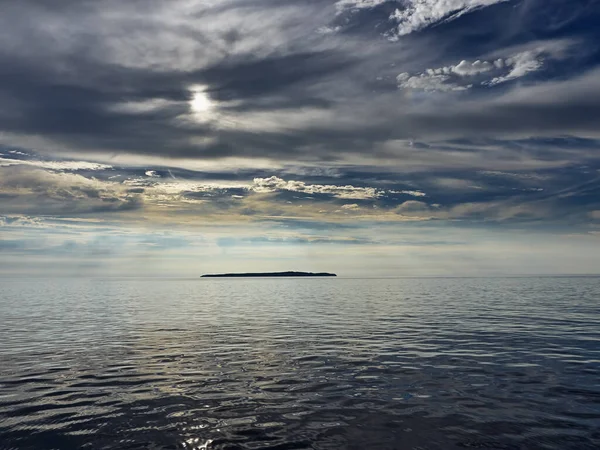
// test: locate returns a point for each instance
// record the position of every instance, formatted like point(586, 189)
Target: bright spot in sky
point(200, 103)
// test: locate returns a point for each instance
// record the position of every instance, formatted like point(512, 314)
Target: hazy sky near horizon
point(363, 137)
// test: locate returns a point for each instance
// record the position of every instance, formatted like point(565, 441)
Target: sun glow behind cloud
point(200, 103)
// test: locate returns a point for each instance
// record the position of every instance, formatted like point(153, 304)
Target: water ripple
point(300, 364)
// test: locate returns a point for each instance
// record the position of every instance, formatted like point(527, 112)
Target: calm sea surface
point(300, 364)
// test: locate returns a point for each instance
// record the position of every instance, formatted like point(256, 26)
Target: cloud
point(343, 5)
point(125, 35)
point(20, 221)
point(413, 193)
point(520, 65)
point(274, 183)
point(412, 206)
point(465, 68)
point(457, 194)
point(54, 165)
point(428, 82)
point(500, 70)
point(289, 96)
point(419, 14)
point(281, 101)
point(448, 78)
point(34, 191)
point(294, 125)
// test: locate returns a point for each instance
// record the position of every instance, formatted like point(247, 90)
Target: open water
point(300, 363)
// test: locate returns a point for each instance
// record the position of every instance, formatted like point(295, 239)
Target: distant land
point(269, 274)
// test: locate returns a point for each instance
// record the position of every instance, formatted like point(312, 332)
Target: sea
point(300, 363)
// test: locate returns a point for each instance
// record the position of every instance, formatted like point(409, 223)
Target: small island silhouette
point(269, 274)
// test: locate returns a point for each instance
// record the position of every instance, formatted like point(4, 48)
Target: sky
point(362, 137)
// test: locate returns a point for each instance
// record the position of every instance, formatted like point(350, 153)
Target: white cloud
point(343, 5)
point(521, 64)
point(179, 186)
point(428, 82)
point(42, 192)
point(55, 165)
point(152, 174)
point(274, 183)
point(141, 107)
point(413, 193)
point(20, 221)
point(466, 68)
point(446, 79)
point(328, 30)
point(419, 14)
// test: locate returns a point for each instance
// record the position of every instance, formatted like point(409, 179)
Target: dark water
point(300, 364)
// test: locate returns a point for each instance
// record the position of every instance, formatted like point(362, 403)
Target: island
point(269, 274)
